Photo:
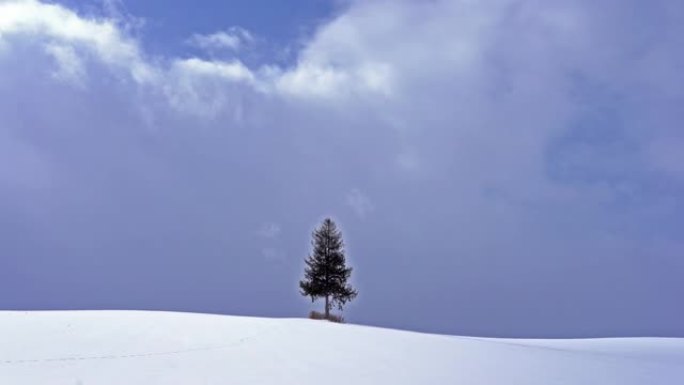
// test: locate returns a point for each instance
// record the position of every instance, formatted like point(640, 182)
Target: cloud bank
point(522, 157)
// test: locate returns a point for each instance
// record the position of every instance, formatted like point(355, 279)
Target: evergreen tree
point(326, 273)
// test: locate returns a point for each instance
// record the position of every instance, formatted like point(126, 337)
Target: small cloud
point(234, 39)
point(269, 230)
point(232, 71)
point(70, 68)
point(360, 203)
point(271, 254)
point(409, 162)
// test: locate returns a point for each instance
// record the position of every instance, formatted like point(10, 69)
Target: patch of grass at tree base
point(321, 316)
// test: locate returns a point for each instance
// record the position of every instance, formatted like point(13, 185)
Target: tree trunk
point(327, 308)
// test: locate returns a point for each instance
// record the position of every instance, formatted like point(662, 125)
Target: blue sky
point(499, 167)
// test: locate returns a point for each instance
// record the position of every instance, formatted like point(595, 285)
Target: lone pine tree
point(326, 273)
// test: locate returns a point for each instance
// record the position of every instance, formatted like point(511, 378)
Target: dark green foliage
point(326, 273)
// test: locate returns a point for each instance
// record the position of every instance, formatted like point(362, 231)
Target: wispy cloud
point(103, 38)
point(272, 254)
point(269, 230)
point(359, 203)
point(234, 39)
point(69, 64)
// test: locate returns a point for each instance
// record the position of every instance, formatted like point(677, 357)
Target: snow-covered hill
point(127, 348)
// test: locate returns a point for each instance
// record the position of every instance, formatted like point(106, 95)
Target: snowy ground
point(117, 347)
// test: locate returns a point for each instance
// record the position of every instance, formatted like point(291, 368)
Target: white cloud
point(269, 230)
point(191, 85)
point(326, 81)
point(409, 162)
point(206, 88)
point(359, 203)
point(234, 39)
point(272, 255)
point(232, 71)
point(311, 80)
point(70, 66)
point(102, 37)
point(440, 78)
point(372, 50)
